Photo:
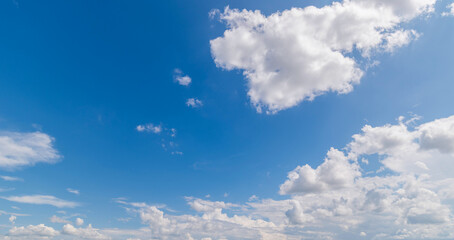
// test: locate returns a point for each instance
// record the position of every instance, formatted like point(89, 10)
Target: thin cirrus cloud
point(11, 179)
point(18, 150)
point(42, 200)
point(73, 191)
point(301, 53)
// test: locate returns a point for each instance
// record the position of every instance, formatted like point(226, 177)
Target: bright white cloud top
point(26, 149)
point(298, 54)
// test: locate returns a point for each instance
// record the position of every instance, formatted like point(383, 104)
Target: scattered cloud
point(73, 191)
point(194, 103)
point(149, 127)
point(26, 149)
point(11, 179)
point(298, 54)
point(42, 200)
point(181, 78)
point(55, 219)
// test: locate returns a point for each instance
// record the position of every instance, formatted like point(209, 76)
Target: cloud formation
point(26, 149)
point(194, 103)
point(181, 78)
point(42, 200)
point(298, 54)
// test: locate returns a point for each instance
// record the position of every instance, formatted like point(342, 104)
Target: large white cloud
point(26, 149)
point(40, 231)
point(298, 54)
point(84, 233)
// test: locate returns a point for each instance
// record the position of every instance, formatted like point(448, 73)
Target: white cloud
point(450, 7)
point(73, 191)
point(79, 221)
point(11, 179)
point(335, 173)
point(298, 54)
point(149, 128)
point(12, 219)
point(83, 233)
point(55, 219)
point(26, 149)
point(182, 79)
point(40, 231)
point(42, 200)
point(194, 102)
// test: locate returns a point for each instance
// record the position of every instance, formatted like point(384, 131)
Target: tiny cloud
point(182, 79)
point(194, 103)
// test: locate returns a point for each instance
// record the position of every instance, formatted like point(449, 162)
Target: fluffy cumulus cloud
point(298, 54)
point(40, 231)
point(83, 233)
point(42, 200)
point(394, 181)
point(26, 149)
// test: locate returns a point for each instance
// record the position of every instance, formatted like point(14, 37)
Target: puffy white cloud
point(149, 127)
point(73, 191)
point(40, 231)
point(438, 135)
point(194, 102)
point(182, 79)
point(83, 233)
point(26, 149)
point(42, 200)
point(79, 221)
point(298, 54)
point(450, 11)
point(335, 173)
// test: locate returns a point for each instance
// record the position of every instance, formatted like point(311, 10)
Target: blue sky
point(86, 74)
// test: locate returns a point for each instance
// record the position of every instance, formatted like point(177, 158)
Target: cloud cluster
point(394, 181)
point(405, 193)
point(298, 54)
point(26, 149)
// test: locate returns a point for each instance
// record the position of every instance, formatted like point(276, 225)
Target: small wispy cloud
point(181, 78)
point(42, 200)
point(149, 127)
point(194, 103)
point(11, 179)
point(73, 191)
